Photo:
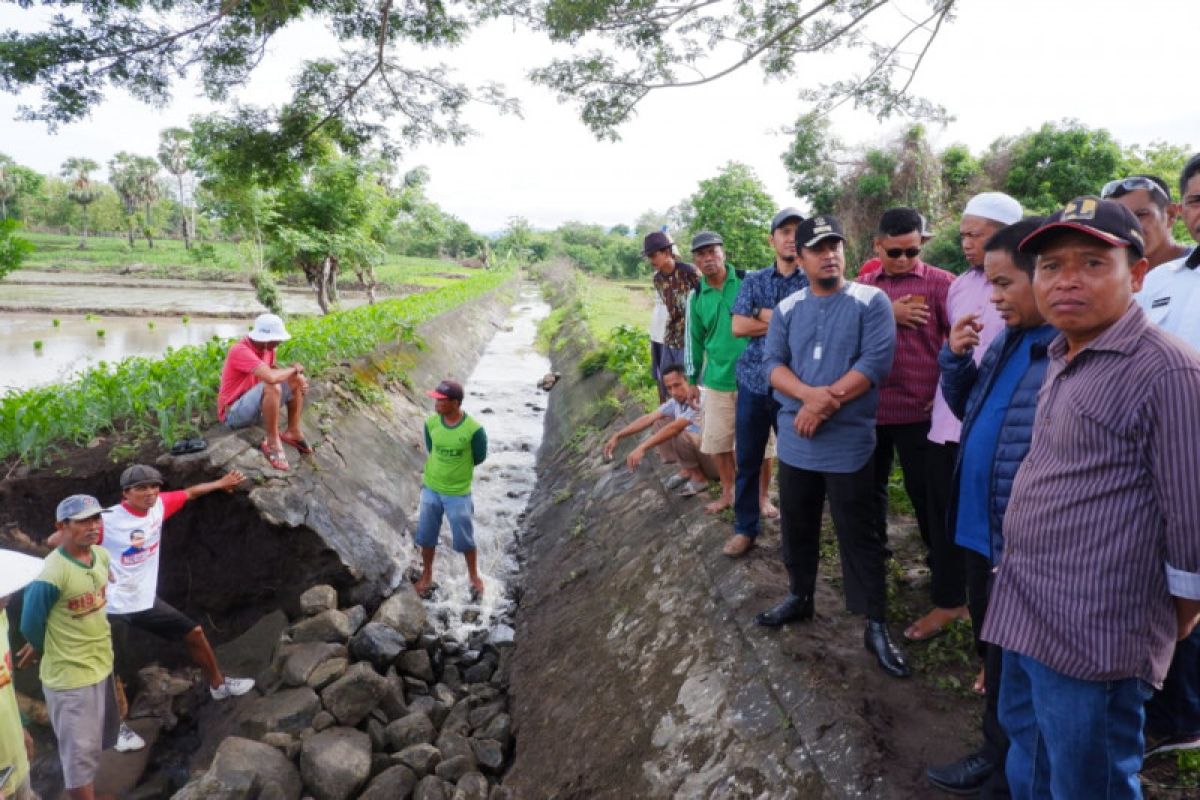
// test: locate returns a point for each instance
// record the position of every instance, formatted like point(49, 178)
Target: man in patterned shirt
point(1100, 574)
point(673, 280)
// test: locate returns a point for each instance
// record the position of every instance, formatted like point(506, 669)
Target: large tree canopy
point(368, 91)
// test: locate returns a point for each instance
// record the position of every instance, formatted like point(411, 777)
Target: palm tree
point(174, 153)
point(82, 191)
point(136, 180)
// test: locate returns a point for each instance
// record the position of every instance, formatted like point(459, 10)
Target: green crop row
point(176, 395)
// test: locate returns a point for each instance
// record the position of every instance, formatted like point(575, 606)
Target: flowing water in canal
point(502, 394)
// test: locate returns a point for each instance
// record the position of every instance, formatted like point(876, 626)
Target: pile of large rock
point(380, 709)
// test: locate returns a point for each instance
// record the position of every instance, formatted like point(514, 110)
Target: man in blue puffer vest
point(996, 403)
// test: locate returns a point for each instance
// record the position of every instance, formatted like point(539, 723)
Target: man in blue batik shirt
point(761, 291)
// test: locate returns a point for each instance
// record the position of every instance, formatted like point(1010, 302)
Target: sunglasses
point(1122, 185)
point(896, 252)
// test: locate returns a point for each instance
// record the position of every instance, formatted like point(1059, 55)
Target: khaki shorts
point(720, 411)
point(85, 722)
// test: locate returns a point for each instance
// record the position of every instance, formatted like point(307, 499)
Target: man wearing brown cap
point(673, 280)
point(1101, 568)
point(457, 443)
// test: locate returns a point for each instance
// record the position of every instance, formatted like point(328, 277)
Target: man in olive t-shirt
point(16, 745)
point(456, 443)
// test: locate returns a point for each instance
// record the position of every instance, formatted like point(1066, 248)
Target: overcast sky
point(1000, 68)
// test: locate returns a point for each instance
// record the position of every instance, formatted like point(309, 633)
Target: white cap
point(17, 570)
point(996, 206)
point(269, 328)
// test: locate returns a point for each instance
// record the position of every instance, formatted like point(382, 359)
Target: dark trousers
point(802, 496)
point(756, 418)
point(995, 741)
point(923, 465)
point(1174, 710)
point(656, 365)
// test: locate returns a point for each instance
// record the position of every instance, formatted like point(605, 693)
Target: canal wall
point(637, 670)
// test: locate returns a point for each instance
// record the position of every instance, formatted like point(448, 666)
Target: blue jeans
point(456, 508)
point(1175, 709)
point(1070, 738)
point(756, 417)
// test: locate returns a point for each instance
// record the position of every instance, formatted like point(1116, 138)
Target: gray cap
point(140, 473)
point(784, 215)
point(79, 506)
point(705, 239)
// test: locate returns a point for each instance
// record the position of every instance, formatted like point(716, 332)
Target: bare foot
point(476, 586)
point(933, 623)
point(422, 586)
point(768, 509)
point(979, 687)
point(718, 505)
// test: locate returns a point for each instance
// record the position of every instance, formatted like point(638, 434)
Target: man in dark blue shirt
point(761, 291)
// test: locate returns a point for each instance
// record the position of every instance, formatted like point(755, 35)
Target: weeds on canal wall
point(176, 395)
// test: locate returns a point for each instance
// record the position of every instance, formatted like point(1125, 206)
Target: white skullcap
point(16, 571)
point(996, 206)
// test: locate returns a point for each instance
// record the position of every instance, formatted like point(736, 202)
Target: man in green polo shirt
point(66, 626)
point(16, 745)
point(712, 354)
point(457, 444)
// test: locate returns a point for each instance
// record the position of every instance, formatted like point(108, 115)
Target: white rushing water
point(502, 393)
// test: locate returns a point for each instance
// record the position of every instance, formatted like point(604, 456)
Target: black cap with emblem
point(817, 228)
point(1106, 220)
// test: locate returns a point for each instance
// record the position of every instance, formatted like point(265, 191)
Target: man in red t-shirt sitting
point(253, 390)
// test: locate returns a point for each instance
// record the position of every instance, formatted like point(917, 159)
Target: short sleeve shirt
point(237, 376)
point(133, 542)
point(13, 760)
point(762, 288)
point(673, 409)
point(674, 289)
point(78, 646)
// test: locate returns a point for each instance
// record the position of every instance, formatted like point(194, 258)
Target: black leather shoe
point(792, 609)
point(964, 777)
point(890, 658)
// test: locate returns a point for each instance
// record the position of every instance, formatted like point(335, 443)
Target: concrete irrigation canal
point(612, 654)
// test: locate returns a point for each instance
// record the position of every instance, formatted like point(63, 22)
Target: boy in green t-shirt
point(66, 626)
point(456, 443)
point(16, 745)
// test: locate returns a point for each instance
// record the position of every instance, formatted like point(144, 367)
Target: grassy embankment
point(209, 261)
point(175, 396)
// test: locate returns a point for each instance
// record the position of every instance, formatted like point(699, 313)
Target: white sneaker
point(128, 741)
point(232, 687)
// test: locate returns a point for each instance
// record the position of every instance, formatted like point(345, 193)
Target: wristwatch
point(754, 312)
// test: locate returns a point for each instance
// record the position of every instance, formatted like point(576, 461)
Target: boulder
point(420, 758)
point(244, 769)
point(432, 787)
point(327, 626)
point(378, 734)
point(417, 664)
point(283, 742)
point(452, 745)
point(377, 643)
point(394, 783)
point(403, 611)
point(478, 673)
point(357, 616)
point(354, 695)
point(458, 720)
point(335, 763)
point(300, 660)
point(328, 672)
point(452, 769)
point(472, 786)
point(323, 720)
point(416, 728)
point(500, 729)
point(489, 754)
point(394, 705)
point(317, 599)
point(482, 715)
point(288, 711)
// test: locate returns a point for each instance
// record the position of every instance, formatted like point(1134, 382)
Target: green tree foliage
point(610, 253)
point(13, 248)
point(736, 205)
point(82, 191)
point(1060, 161)
point(136, 180)
point(16, 182)
point(811, 163)
point(174, 153)
point(369, 93)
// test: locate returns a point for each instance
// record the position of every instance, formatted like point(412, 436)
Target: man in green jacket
point(712, 354)
point(457, 444)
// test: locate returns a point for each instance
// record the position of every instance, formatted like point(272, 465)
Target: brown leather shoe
point(738, 545)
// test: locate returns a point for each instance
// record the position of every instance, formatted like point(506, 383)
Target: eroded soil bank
point(638, 671)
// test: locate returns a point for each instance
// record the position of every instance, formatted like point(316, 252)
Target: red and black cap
point(1106, 220)
point(447, 390)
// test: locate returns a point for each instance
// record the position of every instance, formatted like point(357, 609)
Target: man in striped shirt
point(1101, 569)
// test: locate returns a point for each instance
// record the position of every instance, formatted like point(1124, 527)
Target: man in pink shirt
point(253, 390)
point(970, 293)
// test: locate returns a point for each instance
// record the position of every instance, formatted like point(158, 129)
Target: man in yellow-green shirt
point(66, 626)
point(16, 745)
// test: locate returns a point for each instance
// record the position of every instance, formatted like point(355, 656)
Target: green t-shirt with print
point(453, 454)
point(78, 649)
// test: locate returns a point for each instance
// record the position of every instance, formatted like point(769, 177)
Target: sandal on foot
point(300, 444)
point(276, 457)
